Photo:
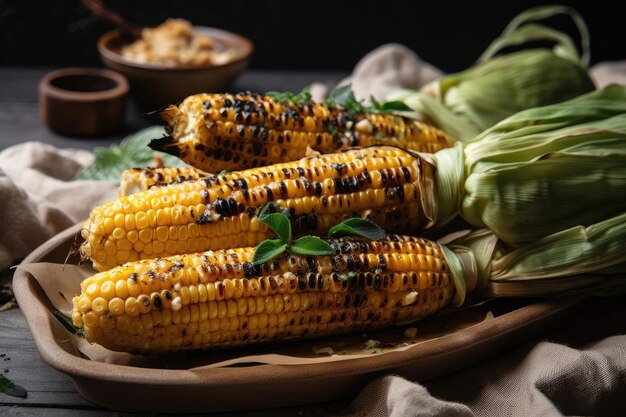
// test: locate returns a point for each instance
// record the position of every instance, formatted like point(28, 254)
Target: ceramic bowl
point(154, 85)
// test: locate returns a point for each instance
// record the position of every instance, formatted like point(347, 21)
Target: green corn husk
point(579, 260)
point(543, 170)
point(536, 173)
point(467, 103)
point(547, 188)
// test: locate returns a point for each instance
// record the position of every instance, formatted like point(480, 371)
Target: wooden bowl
point(154, 85)
point(83, 101)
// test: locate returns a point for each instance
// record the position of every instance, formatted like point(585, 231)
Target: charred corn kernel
point(366, 284)
point(215, 132)
point(140, 179)
point(385, 186)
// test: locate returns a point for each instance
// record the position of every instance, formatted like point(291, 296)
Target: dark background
point(320, 34)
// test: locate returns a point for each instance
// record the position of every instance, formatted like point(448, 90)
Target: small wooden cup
point(83, 101)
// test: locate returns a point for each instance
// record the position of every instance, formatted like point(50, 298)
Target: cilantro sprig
point(276, 217)
point(341, 96)
point(288, 97)
point(344, 96)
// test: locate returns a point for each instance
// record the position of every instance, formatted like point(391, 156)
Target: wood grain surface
point(20, 120)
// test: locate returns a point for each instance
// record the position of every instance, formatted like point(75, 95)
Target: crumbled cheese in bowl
point(174, 43)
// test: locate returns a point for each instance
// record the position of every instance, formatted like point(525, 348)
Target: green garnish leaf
point(222, 174)
point(10, 388)
point(311, 245)
point(391, 106)
point(344, 97)
point(386, 107)
point(341, 96)
point(376, 105)
point(359, 227)
point(278, 222)
point(66, 322)
point(265, 210)
point(288, 97)
point(132, 152)
point(268, 249)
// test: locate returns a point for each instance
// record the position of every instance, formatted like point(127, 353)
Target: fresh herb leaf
point(344, 97)
point(341, 96)
point(273, 215)
point(132, 152)
point(391, 106)
point(222, 174)
point(278, 222)
point(376, 105)
point(359, 227)
point(66, 322)
point(288, 97)
point(268, 249)
point(265, 210)
point(10, 388)
point(311, 245)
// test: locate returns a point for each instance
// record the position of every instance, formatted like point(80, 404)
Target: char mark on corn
point(383, 184)
point(219, 299)
point(216, 132)
point(141, 179)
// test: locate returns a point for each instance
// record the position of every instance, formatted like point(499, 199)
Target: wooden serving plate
point(182, 388)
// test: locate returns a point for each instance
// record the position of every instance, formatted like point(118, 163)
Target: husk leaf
point(466, 103)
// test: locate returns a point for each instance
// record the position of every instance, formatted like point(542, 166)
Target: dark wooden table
point(51, 393)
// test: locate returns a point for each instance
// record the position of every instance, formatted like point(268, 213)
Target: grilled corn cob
point(215, 132)
point(140, 179)
point(220, 299)
point(384, 184)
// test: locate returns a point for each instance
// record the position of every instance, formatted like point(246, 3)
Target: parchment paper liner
point(62, 282)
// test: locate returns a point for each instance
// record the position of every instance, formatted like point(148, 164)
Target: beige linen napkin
point(605, 73)
point(540, 379)
point(393, 66)
point(38, 197)
point(385, 69)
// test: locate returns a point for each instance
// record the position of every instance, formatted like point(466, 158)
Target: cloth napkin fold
point(38, 199)
point(385, 69)
point(542, 378)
